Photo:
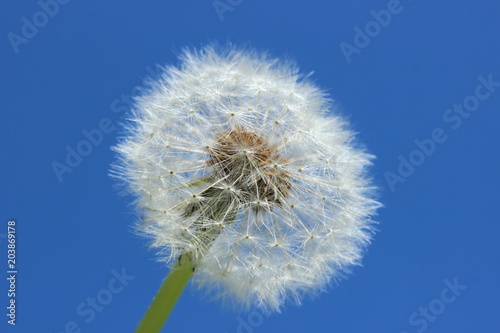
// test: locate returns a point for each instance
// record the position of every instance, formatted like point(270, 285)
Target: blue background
point(440, 224)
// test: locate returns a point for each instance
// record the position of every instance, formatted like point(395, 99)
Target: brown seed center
point(251, 164)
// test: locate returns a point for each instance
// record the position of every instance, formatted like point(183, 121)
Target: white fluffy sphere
point(235, 159)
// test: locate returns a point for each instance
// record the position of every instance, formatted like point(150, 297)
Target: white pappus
point(236, 159)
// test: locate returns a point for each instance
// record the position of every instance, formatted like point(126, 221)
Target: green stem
point(171, 289)
point(167, 296)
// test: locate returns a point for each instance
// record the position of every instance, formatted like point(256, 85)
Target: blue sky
point(419, 80)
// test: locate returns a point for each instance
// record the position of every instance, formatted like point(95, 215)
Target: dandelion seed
point(238, 162)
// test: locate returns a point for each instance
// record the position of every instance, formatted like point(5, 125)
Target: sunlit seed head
point(233, 157)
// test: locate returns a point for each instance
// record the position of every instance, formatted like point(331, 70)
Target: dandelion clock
point(245, 180)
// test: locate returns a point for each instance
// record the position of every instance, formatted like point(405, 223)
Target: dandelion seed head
point(233, 157)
